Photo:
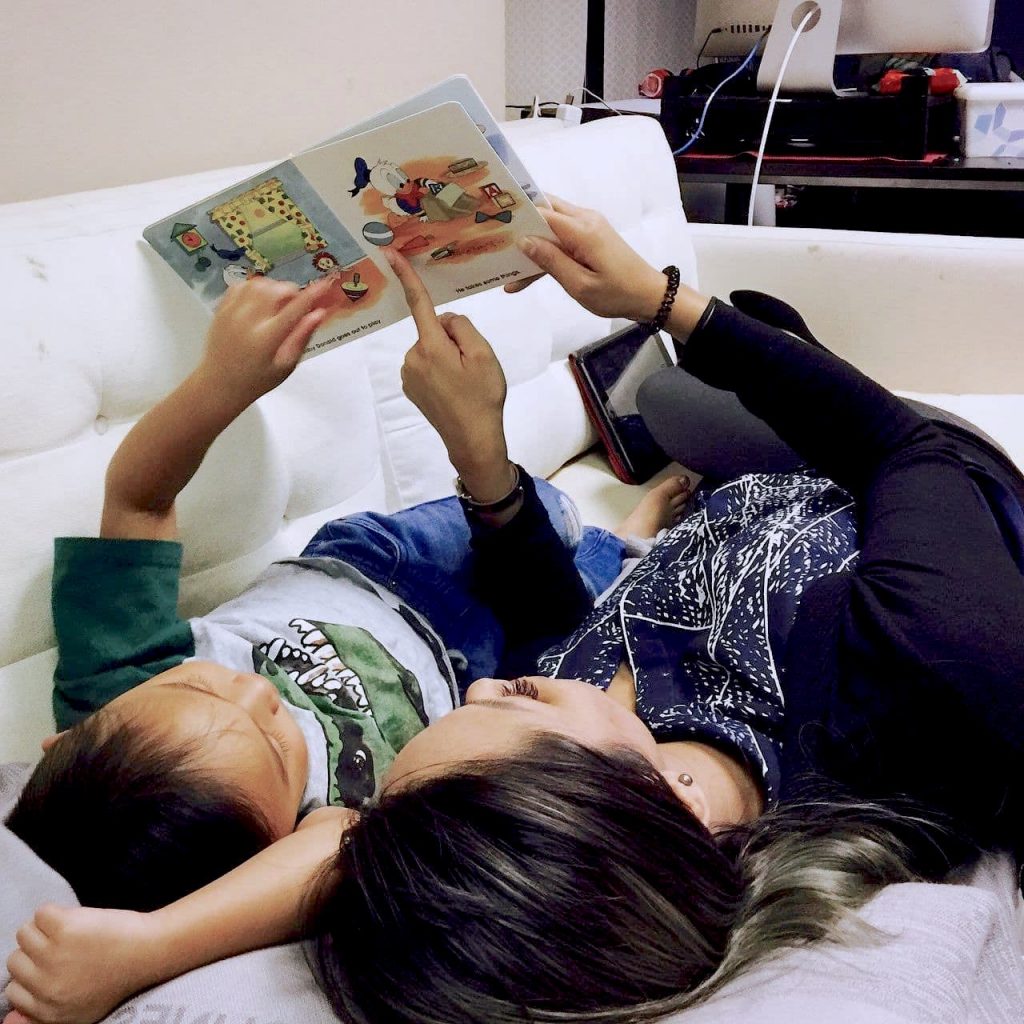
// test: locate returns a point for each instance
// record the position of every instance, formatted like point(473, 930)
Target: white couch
point(99, 328)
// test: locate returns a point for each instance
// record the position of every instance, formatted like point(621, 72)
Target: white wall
point(113, 91)
point(546, 45)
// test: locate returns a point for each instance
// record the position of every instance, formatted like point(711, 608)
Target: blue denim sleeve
point(525, 573)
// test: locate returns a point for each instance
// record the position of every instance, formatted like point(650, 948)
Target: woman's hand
point(454, 378)
point(593, 263)
point(73, 965)
point(258, 334)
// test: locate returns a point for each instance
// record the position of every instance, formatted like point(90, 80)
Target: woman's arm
point(522, 569)
point(837, 419)
point(831, 414)
point(75, 964)
point(924, 526)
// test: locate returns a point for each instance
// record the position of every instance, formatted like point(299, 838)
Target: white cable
point(771, 110)
point(602, 100)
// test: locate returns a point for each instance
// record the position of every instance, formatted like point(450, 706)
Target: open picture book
point(432, 177)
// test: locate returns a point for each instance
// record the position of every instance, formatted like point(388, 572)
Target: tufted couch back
point(99, 329)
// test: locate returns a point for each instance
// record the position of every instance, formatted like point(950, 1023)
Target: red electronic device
point(653, 84)
point(941, 81)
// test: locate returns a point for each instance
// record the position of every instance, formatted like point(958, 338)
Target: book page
point(275, 224)
point(459, 89)
point(431, 187)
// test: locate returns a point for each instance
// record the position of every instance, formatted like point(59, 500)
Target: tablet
point(609, 374)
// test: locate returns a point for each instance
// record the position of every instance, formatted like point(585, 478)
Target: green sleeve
point(115, 612)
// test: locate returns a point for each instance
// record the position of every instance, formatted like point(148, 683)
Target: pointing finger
point(420, 303)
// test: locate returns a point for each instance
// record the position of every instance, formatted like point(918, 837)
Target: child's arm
point(258, 333)
point(115, 599)
point(74, 965)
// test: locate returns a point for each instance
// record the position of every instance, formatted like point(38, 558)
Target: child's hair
point(567, 884)
point(129, 819)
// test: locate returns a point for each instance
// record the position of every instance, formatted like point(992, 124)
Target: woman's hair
point(566, 884)
point(130, 819)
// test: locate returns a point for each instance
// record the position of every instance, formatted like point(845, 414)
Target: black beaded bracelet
point(661, 317)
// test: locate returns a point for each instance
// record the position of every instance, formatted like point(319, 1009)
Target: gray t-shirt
point(360, 670)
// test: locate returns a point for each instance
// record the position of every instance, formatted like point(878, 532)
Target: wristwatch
point(474, 507)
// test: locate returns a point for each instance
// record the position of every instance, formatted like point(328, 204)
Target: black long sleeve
point(526, 575)
point(918, 654)
point(840, 421)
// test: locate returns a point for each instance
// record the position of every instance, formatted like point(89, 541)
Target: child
point(191, 746)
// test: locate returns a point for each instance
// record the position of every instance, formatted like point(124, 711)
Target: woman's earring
point(686, 779)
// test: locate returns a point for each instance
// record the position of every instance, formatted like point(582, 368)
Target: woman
point(539, 853)
point(556, 850)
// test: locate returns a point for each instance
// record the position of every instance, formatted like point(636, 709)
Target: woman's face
point(500, 716)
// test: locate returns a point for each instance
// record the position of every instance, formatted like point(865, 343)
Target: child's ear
point(50, 740)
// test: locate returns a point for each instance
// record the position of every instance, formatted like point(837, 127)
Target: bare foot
point(658, 509)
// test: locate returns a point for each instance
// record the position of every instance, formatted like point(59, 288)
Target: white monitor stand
point(811, 66)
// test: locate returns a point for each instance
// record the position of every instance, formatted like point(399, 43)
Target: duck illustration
point(401, 194)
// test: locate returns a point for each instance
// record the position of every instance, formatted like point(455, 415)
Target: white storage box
point(992, 118)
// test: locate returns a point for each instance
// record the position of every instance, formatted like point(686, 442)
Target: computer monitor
point(839, 27)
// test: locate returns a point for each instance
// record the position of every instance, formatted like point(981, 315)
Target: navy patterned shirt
point(703, 618)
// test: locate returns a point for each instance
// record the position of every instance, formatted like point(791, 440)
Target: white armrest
point(919, 312)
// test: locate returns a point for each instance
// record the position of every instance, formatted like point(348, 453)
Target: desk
point(979, 175)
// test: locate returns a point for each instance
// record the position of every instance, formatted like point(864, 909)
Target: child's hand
point(594, 264)
point(454, 378)
point(73, 965)
point(258, 334)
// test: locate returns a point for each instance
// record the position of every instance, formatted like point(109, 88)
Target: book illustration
point(433, 206)
point(267, 225)
point(272, 225)
point(503, 200)
point(459, 89)
point(230, 255)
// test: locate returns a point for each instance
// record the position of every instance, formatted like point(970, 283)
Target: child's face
point(246, 738)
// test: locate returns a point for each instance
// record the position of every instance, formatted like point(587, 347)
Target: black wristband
point(476, 508)
point(661, 317)
point(705, 318)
